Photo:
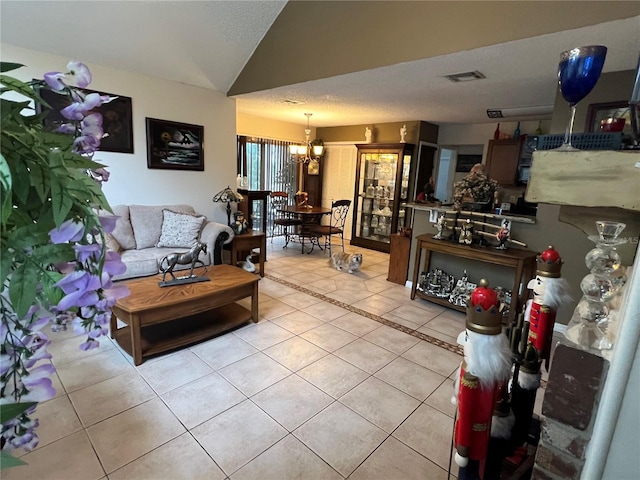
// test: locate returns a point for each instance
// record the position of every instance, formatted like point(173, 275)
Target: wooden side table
point(241, 244)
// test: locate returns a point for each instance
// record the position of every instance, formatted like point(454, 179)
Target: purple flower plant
point(84, 290)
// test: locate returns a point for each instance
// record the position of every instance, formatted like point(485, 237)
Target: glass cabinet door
point(404, 190)
point(376, 195)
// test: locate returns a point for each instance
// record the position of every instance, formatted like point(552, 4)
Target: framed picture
point(596, 112)
point(173, 145)
point(465, 162)
point(117, 120)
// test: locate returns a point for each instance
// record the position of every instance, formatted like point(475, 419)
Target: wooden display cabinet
point(381, 193)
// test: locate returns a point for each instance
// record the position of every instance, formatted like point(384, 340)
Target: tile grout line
point(422, 336)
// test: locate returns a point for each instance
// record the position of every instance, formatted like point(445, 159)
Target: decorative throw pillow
point(180, 229)
point(109, 240)
point(111, 243)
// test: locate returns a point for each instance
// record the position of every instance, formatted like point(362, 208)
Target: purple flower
point(78, 280)
point(85, 252)
point(67, 128)
point(113, 264)
point(92, 120)
point(69, 231)
point(54, 80)
point(108, 222)
point(40, 389)
point(81, 73)
point(90, 344)
point(78, 299)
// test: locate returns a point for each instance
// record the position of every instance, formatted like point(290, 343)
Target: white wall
point(131, 181)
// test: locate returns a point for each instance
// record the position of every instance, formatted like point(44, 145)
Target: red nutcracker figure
point(486, 366)
point(549, 292)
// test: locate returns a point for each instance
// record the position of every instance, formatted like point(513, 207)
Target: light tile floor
point(312, 391)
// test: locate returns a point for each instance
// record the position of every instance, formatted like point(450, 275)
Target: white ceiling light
point(519, 111)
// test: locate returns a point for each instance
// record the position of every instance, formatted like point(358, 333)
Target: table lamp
point(228, 195)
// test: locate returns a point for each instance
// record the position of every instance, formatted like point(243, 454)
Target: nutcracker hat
point(483, 311)
point(549, 263)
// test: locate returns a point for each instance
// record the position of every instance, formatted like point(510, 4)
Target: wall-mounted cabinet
point(502, 160)
point(381, 193)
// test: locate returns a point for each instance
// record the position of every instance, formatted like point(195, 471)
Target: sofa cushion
point(146, 222)
point(123, 233)
point(180, 229)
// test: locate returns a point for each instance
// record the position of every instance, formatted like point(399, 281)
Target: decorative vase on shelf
point(590, 325)
point(516, 133)
point(496, 134)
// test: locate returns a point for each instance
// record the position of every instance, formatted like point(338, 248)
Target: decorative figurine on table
point(403, 134)
point(240, 224)
point(441, 227)
point(486, 367)
point(503, 234)
point(438, 283)
point(466, 233)
point(549, 292)
point(302, 198)
point(462, 291)
point(169, 262)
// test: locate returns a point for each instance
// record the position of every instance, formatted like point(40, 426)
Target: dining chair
point(339, 211)
point(282, 221)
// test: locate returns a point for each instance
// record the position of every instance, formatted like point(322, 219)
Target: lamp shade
point(227, 195)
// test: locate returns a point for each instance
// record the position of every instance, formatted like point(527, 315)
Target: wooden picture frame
point(117, 118)
point(596, 112)
point(174, 145)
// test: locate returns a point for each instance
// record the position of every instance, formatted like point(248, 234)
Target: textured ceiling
point(207, 44)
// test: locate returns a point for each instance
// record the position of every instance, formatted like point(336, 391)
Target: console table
point(523, 261)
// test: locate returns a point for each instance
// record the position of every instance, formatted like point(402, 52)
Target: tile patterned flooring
point(317, 389)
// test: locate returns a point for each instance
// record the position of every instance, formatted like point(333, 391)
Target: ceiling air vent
point(465, 77)
point(290, 101)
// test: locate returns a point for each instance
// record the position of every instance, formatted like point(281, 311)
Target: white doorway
point(446, 165)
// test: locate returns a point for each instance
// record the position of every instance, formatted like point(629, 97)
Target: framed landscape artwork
point(173, 145)
point(117, 121)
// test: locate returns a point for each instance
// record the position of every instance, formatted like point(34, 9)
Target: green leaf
point(20, 87)
point(22, 290)
point(9, 411)
point(5, 190)
point(53, 294)
point(8, 66)
point(8, 461)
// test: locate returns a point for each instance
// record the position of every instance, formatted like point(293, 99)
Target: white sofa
point(142, 242)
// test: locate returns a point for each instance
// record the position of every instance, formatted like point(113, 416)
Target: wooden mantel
point(586, 178)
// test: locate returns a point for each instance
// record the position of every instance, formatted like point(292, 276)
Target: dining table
point(310, 215)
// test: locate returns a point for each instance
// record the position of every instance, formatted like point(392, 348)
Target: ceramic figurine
point(403, 134)
point(367, 135)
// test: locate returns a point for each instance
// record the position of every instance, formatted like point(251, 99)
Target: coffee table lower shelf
point(177, 333)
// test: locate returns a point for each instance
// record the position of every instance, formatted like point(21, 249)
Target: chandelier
point(308, 152)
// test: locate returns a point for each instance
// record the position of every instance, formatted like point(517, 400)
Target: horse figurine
point(176, 258)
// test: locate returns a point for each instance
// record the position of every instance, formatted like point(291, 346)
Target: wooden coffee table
point(161, 319)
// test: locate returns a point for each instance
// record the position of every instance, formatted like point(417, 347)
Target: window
point(266, 165)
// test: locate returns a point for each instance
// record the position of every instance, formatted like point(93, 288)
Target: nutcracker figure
point(486, 367)
point(549, 292)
